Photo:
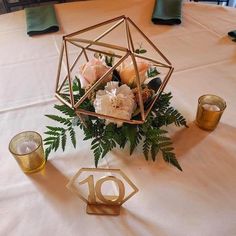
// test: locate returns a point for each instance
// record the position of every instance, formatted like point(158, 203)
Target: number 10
point(95, 191)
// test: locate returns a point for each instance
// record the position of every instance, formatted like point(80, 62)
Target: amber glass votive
point(27, 149)
point(209, 111)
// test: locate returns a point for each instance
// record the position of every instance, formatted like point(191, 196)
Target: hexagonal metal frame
point(109, 209)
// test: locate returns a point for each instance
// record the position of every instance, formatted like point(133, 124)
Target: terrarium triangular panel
point(66, 74)
point(63, 92)
point(98, 31)
point(117, 36)
point(143, 46)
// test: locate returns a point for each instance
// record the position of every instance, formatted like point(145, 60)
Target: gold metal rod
point(130, 40)
point(138, 82)
point(82, 120)
point(127, 35)
point(160, 91)
point(95, 26)
point(99, 169)
point(105, 53)
point(131, 184)
point(69, 76)
point(76, 60)
point(75, 44)
point(85, 54)
point(166, 79)
point(101, 36)
point(161, 87)
point(157, 63)
point(98, 38)
point(59, 66)
point(106, 32)
point(140, 31)
point(84, 51)
point(107, 45)
point(63, 100)
point(81, 53)
point(65, 94)
point(72, 67)
point(100, 80)
point(81, 111)
point(61, 86)
point(93, 50)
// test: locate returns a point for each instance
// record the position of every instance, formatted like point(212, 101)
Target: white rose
point(115, 101)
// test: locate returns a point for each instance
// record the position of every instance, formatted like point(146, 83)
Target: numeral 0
point(95, 191)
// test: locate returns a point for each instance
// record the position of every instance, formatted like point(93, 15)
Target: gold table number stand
point(97, 202)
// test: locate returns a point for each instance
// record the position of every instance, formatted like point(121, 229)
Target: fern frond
point(171, 158)
point(63, 141)
point(174, 116)
point(146, 148)
point(60, 119)
point(72, 136)
point(154, 151)
point(65, 110)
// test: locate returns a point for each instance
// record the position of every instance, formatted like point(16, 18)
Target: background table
point(198, 201)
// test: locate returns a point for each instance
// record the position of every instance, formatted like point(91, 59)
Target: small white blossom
point(115, 101)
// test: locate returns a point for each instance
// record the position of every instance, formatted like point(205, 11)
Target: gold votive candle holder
point(27, 149)
point(209, 111)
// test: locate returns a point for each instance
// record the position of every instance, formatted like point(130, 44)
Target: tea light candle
point(27, 148)
point(209, 112)
point(210, 107)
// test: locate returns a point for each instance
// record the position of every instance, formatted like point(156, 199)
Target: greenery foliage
point(151, 135)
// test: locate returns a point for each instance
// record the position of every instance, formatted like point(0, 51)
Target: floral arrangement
point(117, 96)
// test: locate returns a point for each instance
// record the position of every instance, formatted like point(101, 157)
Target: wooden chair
point(218, 1)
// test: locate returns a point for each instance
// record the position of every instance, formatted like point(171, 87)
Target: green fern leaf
point(146, 148)
point(55, 128)
point(170, 158)
point(154, 151)
point(77, 87)
point(56, 143)
point(59, 119)
point(63, 141)
point(47, 152)
point(50, 139)
point(131, 132)
point(72, 136)
point(97, 153)
point(53, 133)
point(65, 110)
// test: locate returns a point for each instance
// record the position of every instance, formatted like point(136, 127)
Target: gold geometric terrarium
point(117, 38)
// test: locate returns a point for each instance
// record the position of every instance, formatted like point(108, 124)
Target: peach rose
point(127, 71)
point(92, 71)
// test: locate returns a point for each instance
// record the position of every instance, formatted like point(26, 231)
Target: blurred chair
point(9, 5)
point(218, 1)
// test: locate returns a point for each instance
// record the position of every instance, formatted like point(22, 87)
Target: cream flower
point(115, 101)
point(92, 71)
point(128, 74)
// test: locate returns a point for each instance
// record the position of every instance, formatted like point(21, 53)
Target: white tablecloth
point(198, 201)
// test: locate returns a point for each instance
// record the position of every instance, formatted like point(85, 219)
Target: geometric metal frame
point(70, 185)
point(129, 52)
